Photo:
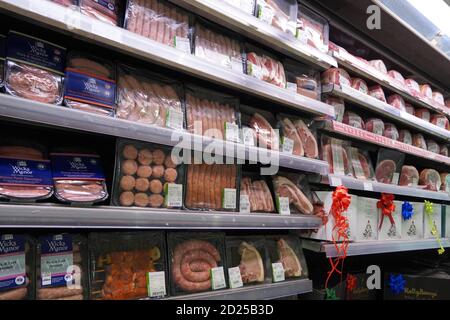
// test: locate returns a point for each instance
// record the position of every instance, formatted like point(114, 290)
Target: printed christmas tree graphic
point(392, 231)
point(412, 231)
point(368, 231)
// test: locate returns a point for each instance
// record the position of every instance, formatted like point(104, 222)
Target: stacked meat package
point(302, 79)
point(312, 29)
point(264, 66)
point(298, 134)
point(292, 193)
point(258, 128)
point(281, 14)
point(333, 151)
point(255, 195)
point(389, 166)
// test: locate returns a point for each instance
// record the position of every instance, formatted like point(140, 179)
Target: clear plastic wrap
point(409, 177)
point(413, 88)
point(261, 125)
point(160, 21)
point(197, 261)
point(262, 65)
point(336, 76)
point(25, 171)
point(303, 136)
point(147, 175)
point(339, 107)
point(281, 14)
point(148, 98)
point(379, 65)
point(405, 136)
point(377, 92)
point(62, 267)
point(431, 179)
point(288, 251)
point(17, 283)
point(423, 114)
point(333, 151)
point(360, 85)
point(121, 262)
point(302, 79)
point(389, 164)
point(295, 188)
point(104, 10)
point(390, 131)
point(258, 193)
point(445, 182)
point(443, 150)
point(90, 84)
point(289, 131)
point(361, 164)
point(397, 101)
point(418, 141)
point(312, 29)
point(432, 146)
point(375, 125)
point(248, 254)
point(409, 108)
point(426, 91)
point(438, 98)
point(397, 77)
point(440, 120)
point(353, 119)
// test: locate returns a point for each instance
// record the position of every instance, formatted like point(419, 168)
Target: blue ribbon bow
point(407, 210)
point(397, 283)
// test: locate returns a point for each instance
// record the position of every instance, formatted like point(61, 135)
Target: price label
point(368, 186)
point(236, 65)
point(278, 272)
point(291, 87)
point(248, 136)
point(173, 195)
point(174, 119)
point(234, 275)
point(182, 44)
point(217, 278)
point(283, 206)
point(254, 70)
point(46, 279)
point(287, 145)
point(266, 14)
point(156, 284)
point(414, 181)
point(335, 181)
point(395, 178)
point(244, 204)
point(229, 198)
point(231, 132)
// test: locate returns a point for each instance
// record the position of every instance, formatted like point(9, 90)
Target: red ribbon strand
point(387, 206)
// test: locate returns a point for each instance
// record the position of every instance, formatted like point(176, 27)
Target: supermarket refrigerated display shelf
point(375, 247)
point(79, 25)
point(349, 94)
point(40, 113)
point(58, 216)
point(256, 292)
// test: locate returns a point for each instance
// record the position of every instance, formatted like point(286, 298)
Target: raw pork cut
point(390, 131)
point(444, 185)
point(283, 187)
point(431, 179)
point(251, 265)
point(423, 114)
point(375, 125)
point(266, 68)
point(432, 146)
point(385, 171)
point(409, 176)
point(339, 107)
point(413, 87)
point(336, 76)
point(266, 136)
point(379, 65)
point(440, 120)
point(409, 108)
point(377, 92)
point(419, 141)
point(290, 131)
point(287, 256)
point(405, 136)
point(360, 85)
point(396, 101)
point(438, 98)
point(308, 139)
point(443, 150)
point(397, 77)
point(426, 91)
point(354, 120)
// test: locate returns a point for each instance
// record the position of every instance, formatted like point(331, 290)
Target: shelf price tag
point(174, 119)
point(217, 278)
point(236, 65)
point(335, 181)
point(156, 284)
point(244, 204)
point(231, 132)
point(266, 14)
point(182, 44)
point(395, 178)
point(173, 195)
point(248, 136)
point(283, 205)
point(287, 145)
point(229, 198)
point(368, 186)
point(234, 275)
point(278, 272)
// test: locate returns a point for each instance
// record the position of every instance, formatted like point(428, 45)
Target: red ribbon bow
point(351, 282)
point(387, 206)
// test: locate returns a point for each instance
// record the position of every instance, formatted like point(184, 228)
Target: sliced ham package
point(409, 108)
point(390, 131)
point(397, 102)
point(292, 193)
point(418, 141)
point(431, 179)
point(255, 195)
point(353, 119)
point(375, 125)
point(379, 65)
point(312, 29)
point(302, 79)
point(377, 92)
point(336, 76)
point(339, 107)
point(409, 177)
point(405, 136)
point(440, 120)
point(105, 10)
point(264, 66)
point(333, 151)
point(413, 88)
point(303, 138)
point(259, 129)
point(423, 114)
point(34, 68)
point(282, 14)
point(361, 164)
point(389, 165)
point(432, 146)
point(360, 85)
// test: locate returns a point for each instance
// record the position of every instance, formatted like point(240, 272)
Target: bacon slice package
point(389, 164)
point(256, 193)
point(66, 3)
point(312, 29)
point(282, 14)
point(264, 66)
point(104, 10)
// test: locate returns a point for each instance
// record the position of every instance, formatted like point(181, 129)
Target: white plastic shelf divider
point(257, 292)
point(58, 216)
point(40, 113)
point(230, 16)
point(386, 110)
point(373, 186)
point(87, 28)
point(375, 247)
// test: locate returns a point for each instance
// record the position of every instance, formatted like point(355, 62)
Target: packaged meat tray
point(17, 256)
point(78, 176)
point(418, 141)
point(216, 46)
point(286, 254)
point(90, 84)
point(361, 164)
point(440, 120)
point(390, 131)
point(159, 21)
point(212, 187)
point(438, 98)
point(107, 11)
point(360, 85)
point(145, 97)
point(375, 125)
point(413, 88)
point(397, 102)
point(431, 179)
point(62, 267)
point(312, 29)
point(377, 92)
point(125, 265)
point(426, 91)
point(2, 58)
point(389, 165)
point(255, 195)
point(423, 114)
point(443, 150)
point(25, 171)
point(264, 66)
point(339, 107)
point(336, 76)
point(409, 108)
point(409, 177)
point(304, 141)
point(259, 128)
point(248, 261)
point(333, 152)
point(397, 78)
point(34, 68)
point(212, 114)
point(353, 119)
point(292, 194)
point(282, 14)
point(445, 182)
point(197, 262)
point(405, 137)
point(247, 6)
point(147, 175)
point(302, 79)
point(432, 146)
point(379, 65)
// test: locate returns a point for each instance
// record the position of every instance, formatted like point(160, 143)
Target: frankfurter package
point(282, 14)
point(312, 29)
point(61, 267)
point(25, 171)
point(361, 165)
point(212, 114)
point(148, 175)
point(218, 47)
point(292, 193)
point(389, 166)
point(287, 260)
point(107, 11)
point(259, 128)
point(160, 21)
point(302, 79)
point(90, 84)
point(333, 151)
point(197, 262)
point(2, 58)
point(149, 98)
point(78, 176)
point(255, 194)
point(247, 6)
point(247, 261)
point(128, 265)
point(34, 68)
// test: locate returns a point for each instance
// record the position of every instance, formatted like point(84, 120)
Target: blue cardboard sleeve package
point(34, 68)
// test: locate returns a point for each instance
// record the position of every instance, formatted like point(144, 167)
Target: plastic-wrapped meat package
point(361, 164)
point(289, 131)
point(90, 84)
point(375, 125)
point(294, 189)
point(78, 176)
point(281, 14)
point(197, 261)
point(409, 177)
point(379, 65)
point(397, 77)
point(302, 79)
point(147, 175)
point(336, 76)
point(148, 98)
point(2, 58)
point(445, 182)
point(17, 283)
point(217, 46)
point(61, 267)
point(104, 10)
point(426, 91)
point(287, 251)
point(419, 141)
point(423, 114)
point(396, 101)
point(360, 85)
point(34, 68)
point(121, 263)
point(212, 187)
point(377, 92)
point(431, 179)
point(307, 137)
point(339, 107)
point(265, 134)
point(389, 164)
point(259, 128)
point(160, 21)
point(440, 120)
point(405, 136)
point(409, 108)
point(432, 146)
point(333, 151)
point(447, 103)
point(312, 29)
point(354, 120)
point(413, 88)
point(438, 98)
point(390, 131)
point(212, 114)
point(264, 67)
point(258, 193)
point(25, 171)
point(443, 150)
